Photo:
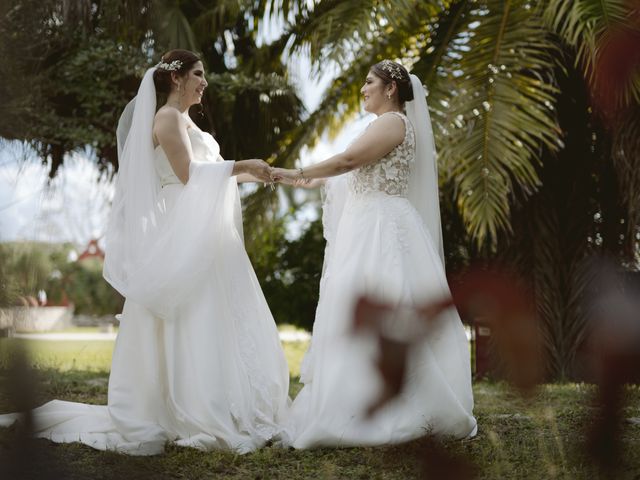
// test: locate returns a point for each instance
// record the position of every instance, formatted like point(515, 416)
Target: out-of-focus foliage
point(289, 272)
point(68, 68)
point(8, 287)
point(28, 268)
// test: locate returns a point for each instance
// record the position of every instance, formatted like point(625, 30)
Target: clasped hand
point(261, 171)
point(289, 176)
point(284, 175)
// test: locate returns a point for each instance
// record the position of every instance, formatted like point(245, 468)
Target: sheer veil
point(133, 212)
point(423, 182)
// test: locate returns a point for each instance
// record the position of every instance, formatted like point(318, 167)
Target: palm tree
point(538, 162)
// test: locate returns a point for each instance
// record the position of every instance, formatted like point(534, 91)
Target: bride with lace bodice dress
point(384, 241)
point(197, 360)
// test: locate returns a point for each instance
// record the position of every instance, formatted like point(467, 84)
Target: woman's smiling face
point(194, 83)
point(373, 93)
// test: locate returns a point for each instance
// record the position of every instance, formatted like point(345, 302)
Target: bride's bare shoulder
point(168, 116)
point(167, 122)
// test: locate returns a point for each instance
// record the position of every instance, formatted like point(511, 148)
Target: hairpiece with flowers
point(392, 69)
point(170, 67)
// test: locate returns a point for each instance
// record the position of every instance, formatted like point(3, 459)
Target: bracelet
point(301, 172)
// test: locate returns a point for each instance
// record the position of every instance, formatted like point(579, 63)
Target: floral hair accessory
point(170, 67)
point(392, 69)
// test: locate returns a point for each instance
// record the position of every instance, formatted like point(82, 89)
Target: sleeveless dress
point(213, 377)
point(377, 244)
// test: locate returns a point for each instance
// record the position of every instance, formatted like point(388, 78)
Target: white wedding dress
point(205, 370)
point(377, 244)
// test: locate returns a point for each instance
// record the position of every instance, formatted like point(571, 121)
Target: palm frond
point(284, 9)
point(449, 23)
point(335, 30)
point(625, 154)
point(266, 106)
point(582, 22)
point(605, 35)
point(341, 101)
point(175, 30)
point(212, 21)
point(561, 275)
point(534, 250)
point(493, 106)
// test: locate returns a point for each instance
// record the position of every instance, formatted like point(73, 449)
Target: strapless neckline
point(202, 132)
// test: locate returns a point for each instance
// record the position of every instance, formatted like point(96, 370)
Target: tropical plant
point(81, 283)
point(80, 60)
point(9, 290)
point(537, 129)
point(289, 271)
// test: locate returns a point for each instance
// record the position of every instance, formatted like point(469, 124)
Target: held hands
point(258, 169)
point(261, 171)
point(285, 175)
point(292, 177)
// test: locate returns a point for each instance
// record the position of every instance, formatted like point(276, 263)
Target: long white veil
point(134, 208)
point(423, 182)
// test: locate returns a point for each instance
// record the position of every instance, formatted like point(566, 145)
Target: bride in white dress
point(382, 225)
point(197, 361)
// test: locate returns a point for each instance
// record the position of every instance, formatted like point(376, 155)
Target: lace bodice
point(390, 174)
point(204, 147)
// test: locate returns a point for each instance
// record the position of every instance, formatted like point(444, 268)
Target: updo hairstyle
point(162, 77)
point(390, 71)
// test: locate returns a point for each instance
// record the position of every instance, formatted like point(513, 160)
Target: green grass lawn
point(62, 356)
point(542, 437)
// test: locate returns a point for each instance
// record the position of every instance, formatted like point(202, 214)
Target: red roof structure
point(93, 250)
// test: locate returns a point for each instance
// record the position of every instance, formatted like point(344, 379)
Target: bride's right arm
point(170, 129)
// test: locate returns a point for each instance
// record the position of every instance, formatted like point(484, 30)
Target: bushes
point(84, 286)
point(25, 269)
point(289, 272)
point(28, 267)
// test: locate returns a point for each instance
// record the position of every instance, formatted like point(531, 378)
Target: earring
point(388, 95)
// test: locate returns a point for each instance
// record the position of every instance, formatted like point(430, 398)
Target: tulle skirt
point(381, 248)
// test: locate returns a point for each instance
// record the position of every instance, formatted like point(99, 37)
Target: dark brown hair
point(405, 92)
point(162, 78)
